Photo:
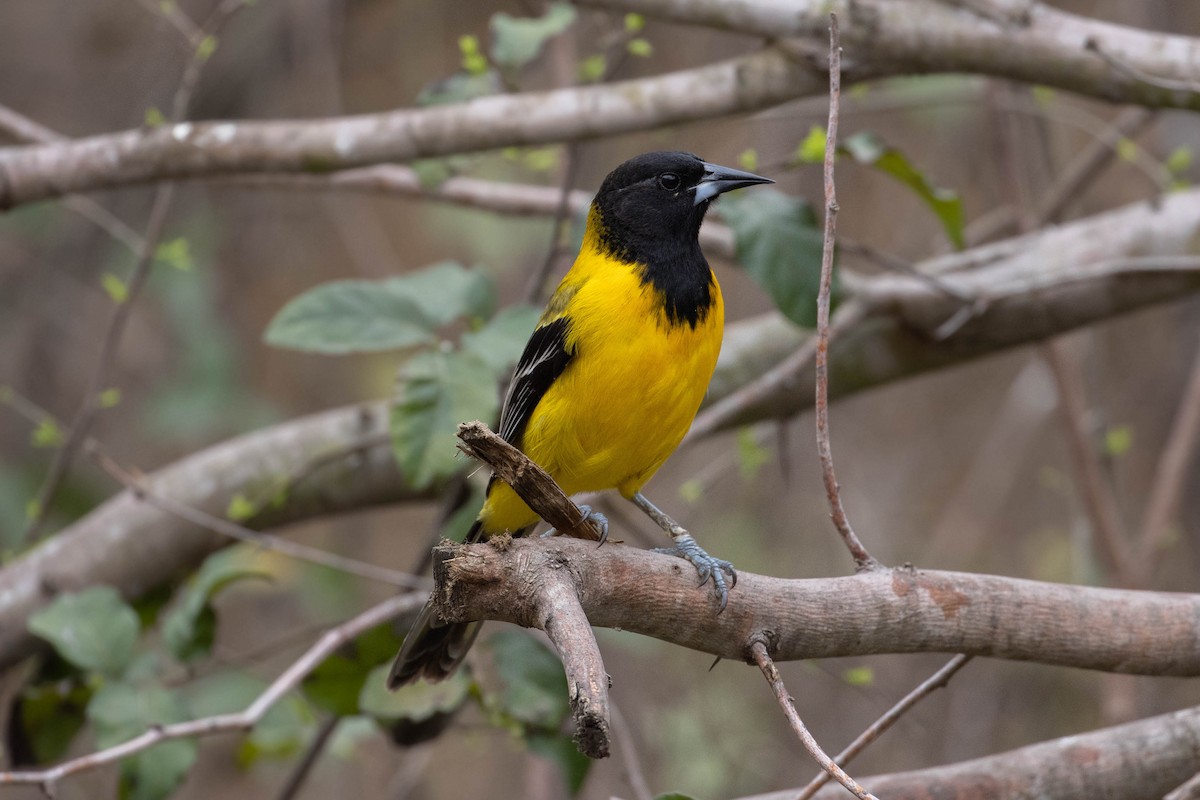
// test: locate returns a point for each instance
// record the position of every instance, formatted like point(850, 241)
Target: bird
point(614, 373)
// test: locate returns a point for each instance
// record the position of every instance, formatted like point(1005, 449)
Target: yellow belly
point(628, 396)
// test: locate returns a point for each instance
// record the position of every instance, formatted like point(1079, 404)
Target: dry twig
point(763, 659)
point(862, 559)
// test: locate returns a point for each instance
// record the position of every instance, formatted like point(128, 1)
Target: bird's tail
point(433, 649)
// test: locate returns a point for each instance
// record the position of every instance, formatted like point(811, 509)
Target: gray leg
point(686, 547)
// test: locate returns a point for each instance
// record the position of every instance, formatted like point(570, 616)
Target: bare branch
point(1143, 759)
point(759, 651)
point(553, 604)
point(879, 611)
point(862, 559)
point(1047, 47)
point(330, 641)
point(1171, 473)
point(935, 681)
point(81, 423)
point(891, 37)
point(135, 547)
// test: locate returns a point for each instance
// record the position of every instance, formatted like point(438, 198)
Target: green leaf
point(516, 41)
point(364, 316)
point(176, 253)
point(50, 715)
point(473, 61)
point(868, 149)
point(350, 317)
point(751, 455)
point(154, 118)
point(240, 508)
point(561, 750)
point(337, 682)
point(447, 291)
point(416, 702)
point(119, 712)
point(634, 22)
point(109, 398)
point(499, 343)
point(115, 287)
point(207, 46)
point(859, 676)
point(748, 160)
point(592, 68)
point(1127, 149)
point(94, 629)
point(674, 796)
point(1180, 160)
point(779, 245)
point(535, 687)
point(641, 48)
point(439, 390)
point(812, 149)
point(1118, 440)
point(189, 628)
point(47, 434)
point(690, 491)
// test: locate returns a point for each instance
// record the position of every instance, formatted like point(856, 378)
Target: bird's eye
point(669, 181)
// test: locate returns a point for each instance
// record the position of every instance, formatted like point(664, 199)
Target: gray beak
point(718, 180)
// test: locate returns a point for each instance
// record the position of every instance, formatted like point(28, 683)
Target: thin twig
point(862, 559)
point(727, 410)
point(1098, 500)
point(311, 754)
point(927, 687)
point(329, 642)
point(163, 196)
point(763, 659)
point(266, 541)
point(629, 755)
point(1170, 476)
point(90, 405)
point(535, 289)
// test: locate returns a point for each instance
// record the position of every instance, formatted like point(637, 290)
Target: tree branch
point(1140, 760)
point(1046, 47)
point(885, 611)
point(329, 463)
point(891, 37)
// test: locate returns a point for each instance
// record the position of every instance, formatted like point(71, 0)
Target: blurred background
point(966, 469)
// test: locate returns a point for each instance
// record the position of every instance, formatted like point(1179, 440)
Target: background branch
point(890, 37)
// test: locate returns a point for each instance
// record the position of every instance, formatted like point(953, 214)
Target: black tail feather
point(433, 649)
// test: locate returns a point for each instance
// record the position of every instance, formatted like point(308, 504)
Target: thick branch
point(208, 149)
point(887, 37)
point(1042, 45)
point(134, 546)
point(886, 611)
point(1141, 760)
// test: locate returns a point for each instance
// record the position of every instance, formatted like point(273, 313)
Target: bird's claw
point(707, 566)
point(595, 518)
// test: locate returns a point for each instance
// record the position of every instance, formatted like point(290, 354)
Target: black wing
point(545, 357)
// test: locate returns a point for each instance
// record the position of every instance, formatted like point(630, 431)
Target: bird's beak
point(718, 180)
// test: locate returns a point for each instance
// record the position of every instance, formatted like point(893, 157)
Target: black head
point(657, 201)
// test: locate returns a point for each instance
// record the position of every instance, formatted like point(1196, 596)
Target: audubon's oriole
point(614, 373)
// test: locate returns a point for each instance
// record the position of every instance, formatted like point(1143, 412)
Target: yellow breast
point(629, 394)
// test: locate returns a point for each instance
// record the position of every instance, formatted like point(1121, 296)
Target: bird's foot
point(595, 518)
point(685, 547)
